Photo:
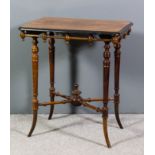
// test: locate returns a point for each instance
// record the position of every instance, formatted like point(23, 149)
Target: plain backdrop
point(80, 63)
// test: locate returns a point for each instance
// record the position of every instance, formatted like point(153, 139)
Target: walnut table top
point(77, 25)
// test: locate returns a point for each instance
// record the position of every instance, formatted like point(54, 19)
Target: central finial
point(76, 98)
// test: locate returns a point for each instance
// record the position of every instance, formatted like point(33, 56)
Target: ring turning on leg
point(35, 60)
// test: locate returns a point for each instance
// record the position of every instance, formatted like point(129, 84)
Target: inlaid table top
point(77, 25)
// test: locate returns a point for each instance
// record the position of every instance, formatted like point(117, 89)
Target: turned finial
point(44, 37)
point(90, 39)
point(67, 39)
point(22, 35)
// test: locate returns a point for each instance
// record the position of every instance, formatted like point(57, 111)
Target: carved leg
point(35, 59)
point(106, 68)
point(51, 66)
point(117, 54)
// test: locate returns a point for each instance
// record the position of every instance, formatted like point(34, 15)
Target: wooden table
point(106, 31)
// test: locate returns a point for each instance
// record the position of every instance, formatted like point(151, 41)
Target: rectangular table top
point(76, 25)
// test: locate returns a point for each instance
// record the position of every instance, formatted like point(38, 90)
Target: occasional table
point(89, 30)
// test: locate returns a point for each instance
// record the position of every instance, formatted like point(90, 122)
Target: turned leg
point(117, 54)
point(106, 68)
point(35, 59)
point(51, 67)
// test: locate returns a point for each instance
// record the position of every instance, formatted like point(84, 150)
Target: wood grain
point(68, 24)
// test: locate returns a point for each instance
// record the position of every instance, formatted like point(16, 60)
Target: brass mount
point(91, 38)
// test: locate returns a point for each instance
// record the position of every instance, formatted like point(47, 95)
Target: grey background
point(85, 62)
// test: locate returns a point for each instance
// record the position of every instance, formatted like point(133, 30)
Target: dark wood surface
point(72, 24)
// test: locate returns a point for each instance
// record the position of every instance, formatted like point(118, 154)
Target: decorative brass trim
point(67, 37)
point(44, 37)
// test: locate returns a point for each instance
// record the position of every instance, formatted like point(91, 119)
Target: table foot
point(105, 127)
point(117, 115)
point(51, 112)
point(34, 121)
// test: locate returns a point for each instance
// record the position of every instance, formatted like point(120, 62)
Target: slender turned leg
point(106, 68)
point(117, 54)
point(51, 66)
point(35, 59)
